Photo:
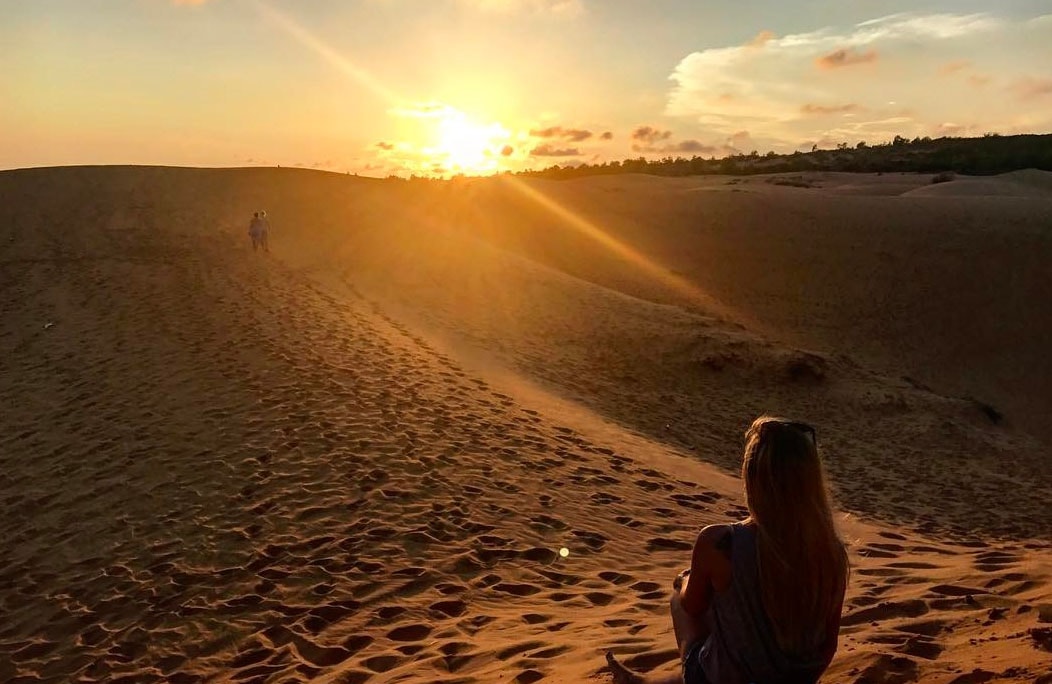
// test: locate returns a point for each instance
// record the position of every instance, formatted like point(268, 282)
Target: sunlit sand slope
point(924, 364)
point(355, 459)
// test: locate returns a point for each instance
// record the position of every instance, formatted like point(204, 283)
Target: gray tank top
point(742, 648)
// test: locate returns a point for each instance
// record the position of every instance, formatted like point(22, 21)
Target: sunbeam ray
point(652, 269)
point(334, 57)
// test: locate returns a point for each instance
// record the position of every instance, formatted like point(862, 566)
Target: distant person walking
point(265, 233)
point(255, 231)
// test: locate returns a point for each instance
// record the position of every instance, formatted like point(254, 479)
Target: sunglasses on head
point(803, 428)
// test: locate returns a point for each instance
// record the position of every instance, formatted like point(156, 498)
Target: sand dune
point(1030, 183)
point(355, 459)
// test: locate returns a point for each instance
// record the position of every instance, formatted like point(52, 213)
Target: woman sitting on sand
point(761, 601)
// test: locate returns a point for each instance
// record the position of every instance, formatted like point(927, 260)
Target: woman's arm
point(696, 592)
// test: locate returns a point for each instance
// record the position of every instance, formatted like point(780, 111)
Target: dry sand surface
point(356, 458)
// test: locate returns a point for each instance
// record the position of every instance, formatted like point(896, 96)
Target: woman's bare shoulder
point(713, 552)
point(712, 533)
point(714, 538)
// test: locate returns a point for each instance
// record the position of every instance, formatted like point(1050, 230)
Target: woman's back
point(742, 646)
point(761, 602)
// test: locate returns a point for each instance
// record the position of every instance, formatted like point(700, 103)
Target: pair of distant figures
point(259, 231)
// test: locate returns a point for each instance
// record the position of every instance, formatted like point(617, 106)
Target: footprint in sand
point(321, 656)
point(455, 655)
point(453, 608)
point(921, 647)
point(615, 578)
point(516, 588)
point(599, 598)
point(550, 652)
point(665, 544)
point(628, 521)
point(645, 662)
point(890, 669)
point(414, 632)
point(955, 590)
point(879, 572)
point(388, 613)
point(382, 663)
point(357, 642)
point(886, 611)
point(593, 540)
point(516, 649)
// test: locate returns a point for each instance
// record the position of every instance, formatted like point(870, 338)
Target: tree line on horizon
point(981, 156)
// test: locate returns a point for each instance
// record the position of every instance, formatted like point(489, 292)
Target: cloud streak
point(692, 146)
point(845, 57)
point(650, 135)
point(954, 67)
point(1030, 88)
point(571, 134)
point(547, 150)
point(825, 110)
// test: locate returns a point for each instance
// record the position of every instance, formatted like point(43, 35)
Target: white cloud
point(815, 84)
point(937, 26)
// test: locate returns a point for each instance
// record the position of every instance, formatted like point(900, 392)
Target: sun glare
point(445, 141)
point(465, 146)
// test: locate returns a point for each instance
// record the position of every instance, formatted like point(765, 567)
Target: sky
point(439, 87)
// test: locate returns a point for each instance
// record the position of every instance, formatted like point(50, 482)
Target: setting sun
point(466, 146)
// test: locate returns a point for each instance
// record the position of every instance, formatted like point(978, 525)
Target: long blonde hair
point(802, 561)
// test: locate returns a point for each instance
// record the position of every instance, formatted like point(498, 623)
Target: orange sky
point(478, 86)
